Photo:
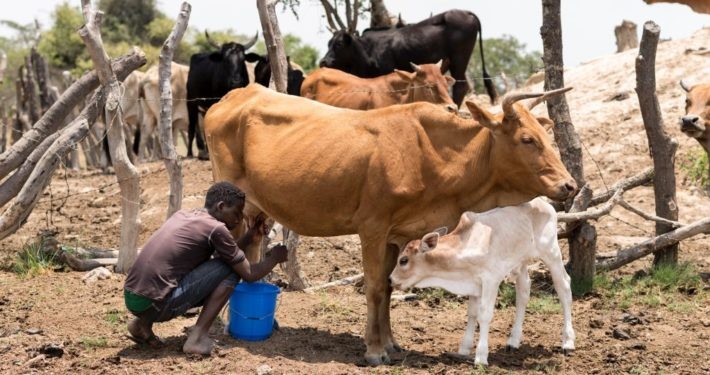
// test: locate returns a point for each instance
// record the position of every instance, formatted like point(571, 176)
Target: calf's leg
point(489, 290)
point(383, 314)
point(553, 261)
point(467, 342)
point(522, 296)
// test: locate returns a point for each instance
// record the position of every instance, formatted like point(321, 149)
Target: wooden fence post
point(172, 164)
point(582, 240)
point(277, 59)
point(662, 147)
point(126, 173)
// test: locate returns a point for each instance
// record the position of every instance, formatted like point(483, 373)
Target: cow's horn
point(685, 85)
point(513, 97)
point(251, 43)
point(210, 41)
point(546, 95)
point(416, 67)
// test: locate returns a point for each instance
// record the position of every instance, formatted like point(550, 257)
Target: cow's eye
point(527, 140)
point(403, 261)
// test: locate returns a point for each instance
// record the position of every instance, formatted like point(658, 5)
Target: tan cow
point(390, 175)
point(151, 94)
point(341, 89)
point(696, 121)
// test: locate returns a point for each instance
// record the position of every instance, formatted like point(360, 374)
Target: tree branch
point(332, 13)
point(593, 213)
point(657, 243)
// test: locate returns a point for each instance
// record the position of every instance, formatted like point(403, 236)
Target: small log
point(639, 179)
point(94, 253)
point(296, 279)
point(654, 244)
point(167, 147)
point(403, 297)
point(345, 281)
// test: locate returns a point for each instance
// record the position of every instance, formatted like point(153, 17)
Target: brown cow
point(150, 91)
point(390, 175)
point(340, 89)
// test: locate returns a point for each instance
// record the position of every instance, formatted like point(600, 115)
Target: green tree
point(62, 45)
point(128, 20)
point(304, 55)
point(504, 56)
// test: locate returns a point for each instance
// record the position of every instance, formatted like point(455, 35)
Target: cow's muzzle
point(566, 190)
point(324, 63)
point(691, 124)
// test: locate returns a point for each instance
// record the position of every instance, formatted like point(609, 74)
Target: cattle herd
point(373, 144)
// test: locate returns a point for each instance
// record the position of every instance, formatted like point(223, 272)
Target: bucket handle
point(278, 304)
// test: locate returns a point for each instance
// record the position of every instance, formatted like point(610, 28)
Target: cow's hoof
point(567, 351)
point(203, 155)
point(393, 348)
point(377, 359)
point(510, 348)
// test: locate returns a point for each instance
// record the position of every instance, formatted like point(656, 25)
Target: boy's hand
point(279, 253)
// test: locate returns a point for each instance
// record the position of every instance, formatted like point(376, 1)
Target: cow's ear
point(429, 242)
point(252, 57)
point(482, 116)
point(407, 76)
point(442, 231)
point(546, 123)
point(450, 80)
point(347, 39)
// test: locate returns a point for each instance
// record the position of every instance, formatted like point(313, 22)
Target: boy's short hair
point(226, 192)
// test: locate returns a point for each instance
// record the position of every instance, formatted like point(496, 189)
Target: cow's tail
point(487, 80)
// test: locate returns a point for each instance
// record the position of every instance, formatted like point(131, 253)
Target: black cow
point(449, 36)
point(262, 74)
point(211, 76)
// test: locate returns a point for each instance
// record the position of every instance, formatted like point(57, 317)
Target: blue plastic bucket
point(251, 311)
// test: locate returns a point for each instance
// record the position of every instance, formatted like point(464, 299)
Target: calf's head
point(426, 83)
point(523, 159)
point(697, 110)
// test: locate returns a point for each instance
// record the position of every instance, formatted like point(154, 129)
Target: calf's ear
point(404, 75)
point(546, 123)
point(429, 242)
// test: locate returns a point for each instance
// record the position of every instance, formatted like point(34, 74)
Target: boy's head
point(225, 202)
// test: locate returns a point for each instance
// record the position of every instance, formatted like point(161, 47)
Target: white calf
point(476, 257)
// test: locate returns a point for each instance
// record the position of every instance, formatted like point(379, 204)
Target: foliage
point(32, 260)
point(128, 20)
point(696, 166)
point(505, 55)
point(304, 55)
point(62, 45)
point(93, 342)
point(665, 285)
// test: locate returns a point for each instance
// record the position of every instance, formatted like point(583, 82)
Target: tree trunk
point(626, 36)
point(167, 147)
point(582, 241)
point(662, 147)
point(41, 72)
point(30, 90)
point(126, 173)
point(277, 59)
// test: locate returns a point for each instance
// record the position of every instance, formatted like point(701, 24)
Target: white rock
point(264, 370)
point(100, 273)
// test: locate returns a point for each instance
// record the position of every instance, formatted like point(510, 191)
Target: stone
point(620, 334)
point(99, 273)
point(264, 369)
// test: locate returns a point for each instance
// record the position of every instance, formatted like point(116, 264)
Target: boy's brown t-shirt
point(186, 240)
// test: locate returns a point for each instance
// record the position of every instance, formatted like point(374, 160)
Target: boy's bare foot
point(198, 343)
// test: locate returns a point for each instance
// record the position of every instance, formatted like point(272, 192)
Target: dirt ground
point(322, 333)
